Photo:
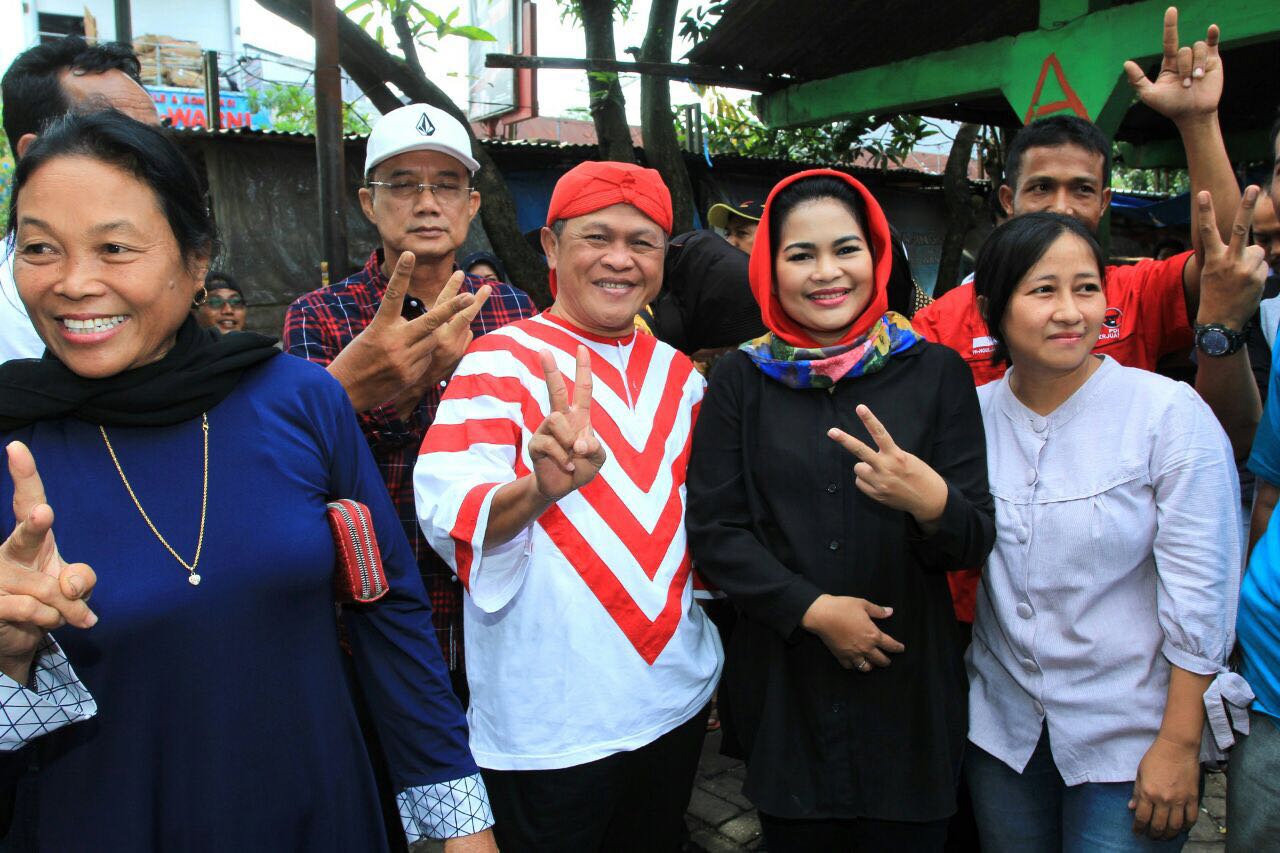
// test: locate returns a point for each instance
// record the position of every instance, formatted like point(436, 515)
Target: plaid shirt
point(317, 326)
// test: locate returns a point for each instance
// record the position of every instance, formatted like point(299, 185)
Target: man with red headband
point(560, 506)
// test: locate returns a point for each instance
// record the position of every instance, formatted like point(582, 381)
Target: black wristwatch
point(1216, 340)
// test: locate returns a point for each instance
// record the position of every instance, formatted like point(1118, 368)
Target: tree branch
point(661, 147)
point(409, 47)
point(608, 104)
point(955, 189)
point(708, 75)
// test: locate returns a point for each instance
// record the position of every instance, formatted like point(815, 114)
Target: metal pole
point(329, 153)
point(212, 94)
point(124, 22)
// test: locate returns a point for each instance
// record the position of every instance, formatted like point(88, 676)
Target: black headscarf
point(203, 367)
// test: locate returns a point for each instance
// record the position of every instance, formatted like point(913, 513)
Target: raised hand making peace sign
point(39, 591)
point(893, 476)
point(565, 453)
point(395, 360)
point(1233, 274)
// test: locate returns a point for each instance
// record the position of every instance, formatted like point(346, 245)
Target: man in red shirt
point(1063, 163)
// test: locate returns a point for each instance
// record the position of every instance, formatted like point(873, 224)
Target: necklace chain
point(204, 500)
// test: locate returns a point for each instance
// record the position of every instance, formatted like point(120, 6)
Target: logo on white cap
point(418, 127)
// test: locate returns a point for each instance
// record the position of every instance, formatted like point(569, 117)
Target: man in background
point(418, 194)
point(739, 222)
point(223, 307)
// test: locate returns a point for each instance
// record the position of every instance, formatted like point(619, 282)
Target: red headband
point(595, 185)
point(761, 270)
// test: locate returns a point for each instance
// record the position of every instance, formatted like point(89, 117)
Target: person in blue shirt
point(201, 701)
point(1254, 772)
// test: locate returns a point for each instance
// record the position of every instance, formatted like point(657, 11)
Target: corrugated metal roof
point(722, 161)
point(813, 39)
point(818, 39)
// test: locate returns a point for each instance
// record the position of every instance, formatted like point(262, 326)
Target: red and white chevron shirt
point(582, 635)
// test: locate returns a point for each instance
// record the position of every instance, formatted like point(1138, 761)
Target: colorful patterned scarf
point(824, 367)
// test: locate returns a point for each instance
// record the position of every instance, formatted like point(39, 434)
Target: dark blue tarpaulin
point(1158, 213)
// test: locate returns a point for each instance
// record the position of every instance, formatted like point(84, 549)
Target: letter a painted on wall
point(1069, 100)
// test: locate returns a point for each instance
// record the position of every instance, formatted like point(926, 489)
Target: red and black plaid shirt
point(317, 326)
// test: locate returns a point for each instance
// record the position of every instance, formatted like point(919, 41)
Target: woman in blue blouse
point(204, 703)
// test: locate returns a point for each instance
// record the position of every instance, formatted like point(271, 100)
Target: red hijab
point(779, 321)
point(595, 185)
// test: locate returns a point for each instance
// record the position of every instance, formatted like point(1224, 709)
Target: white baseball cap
point(418, 127)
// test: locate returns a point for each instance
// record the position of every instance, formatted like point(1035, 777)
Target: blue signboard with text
point(185, 108)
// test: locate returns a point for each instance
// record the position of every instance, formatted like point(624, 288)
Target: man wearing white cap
point(393, 332)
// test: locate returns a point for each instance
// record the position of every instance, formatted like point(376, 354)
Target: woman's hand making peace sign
point(891, 475)
point(39, 591)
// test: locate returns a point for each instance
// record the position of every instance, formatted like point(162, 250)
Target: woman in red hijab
point(838, 471)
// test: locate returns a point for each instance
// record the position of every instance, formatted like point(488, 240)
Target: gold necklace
point(192, 577)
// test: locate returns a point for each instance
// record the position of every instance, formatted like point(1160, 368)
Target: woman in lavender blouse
point(1105, 613)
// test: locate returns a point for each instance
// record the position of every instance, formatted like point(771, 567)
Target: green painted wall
point(1075, 61)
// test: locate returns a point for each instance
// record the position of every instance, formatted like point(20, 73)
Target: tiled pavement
point(721, 820)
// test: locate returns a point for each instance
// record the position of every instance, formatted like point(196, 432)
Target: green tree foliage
point(1127, 179)
point(372, 16)
point(730, 127)
point(696, 24)
point(293, 109)
point(6, 177)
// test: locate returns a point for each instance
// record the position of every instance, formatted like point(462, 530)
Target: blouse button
point(1031, 476)
point(1039, 424)
point(835, 545)
point(832, 488)
point(454, 578)
point(1021, 533)
point(1028, 664)
point(1039, 709)
point(1024, 610)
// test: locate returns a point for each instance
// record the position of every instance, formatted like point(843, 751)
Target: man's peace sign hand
point(891, 475)
point(565, 453)
point(393, 354)
point(39, 591)
point(1233, 274)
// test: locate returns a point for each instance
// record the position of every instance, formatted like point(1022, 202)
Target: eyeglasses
point(443, 193)
point(217, 303)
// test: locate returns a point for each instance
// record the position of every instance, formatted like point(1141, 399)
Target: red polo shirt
point(1146, 318)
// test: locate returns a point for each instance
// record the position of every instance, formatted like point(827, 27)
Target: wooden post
point(124, 22)
point(329, 146)
point(212, 91)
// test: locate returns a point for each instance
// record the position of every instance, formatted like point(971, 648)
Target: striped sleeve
point(474, 446)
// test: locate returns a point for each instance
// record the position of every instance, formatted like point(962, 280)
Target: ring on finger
point(862, 665)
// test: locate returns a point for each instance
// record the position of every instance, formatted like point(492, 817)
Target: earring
point(202, 298)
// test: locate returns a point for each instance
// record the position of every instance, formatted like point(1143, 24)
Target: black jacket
point(774, 520)
point(706, 300)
